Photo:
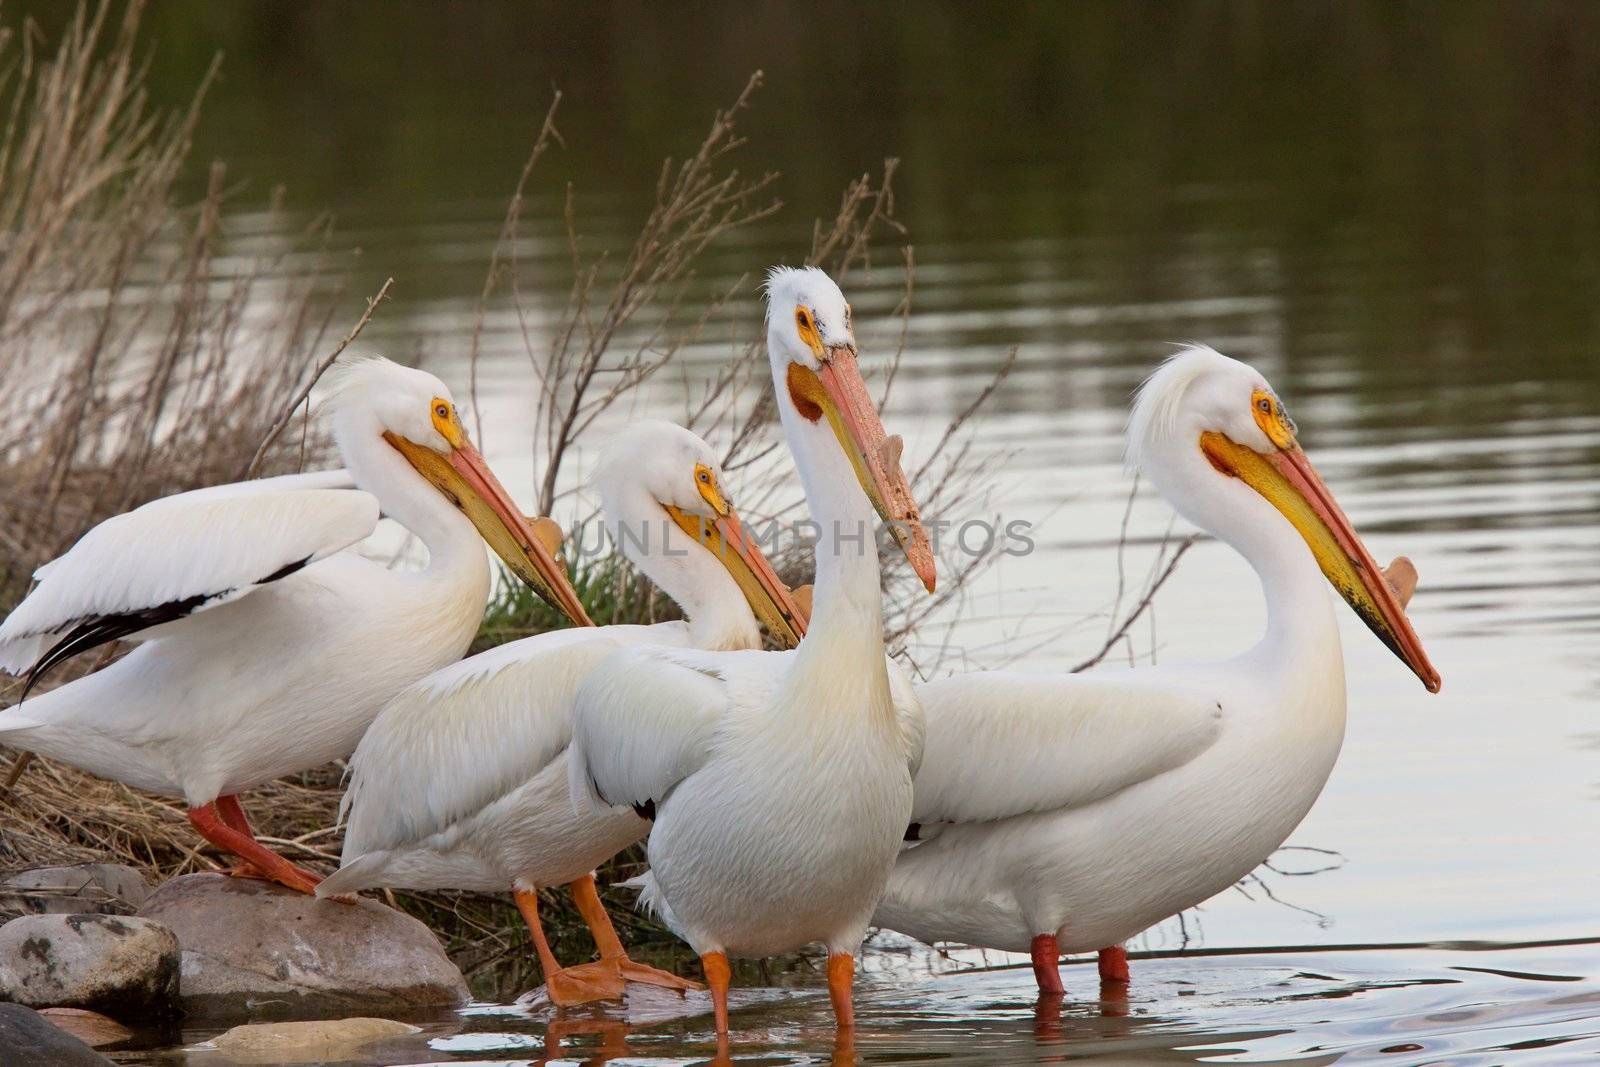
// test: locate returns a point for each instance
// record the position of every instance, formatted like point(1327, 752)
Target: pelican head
point(811, 340)
point(414, 412)
point(680, 474)
point(1206, 427)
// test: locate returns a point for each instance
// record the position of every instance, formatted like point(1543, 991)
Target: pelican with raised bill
point(1068, 812)
point(461, 783)
point(779, 782)
point(264, 644)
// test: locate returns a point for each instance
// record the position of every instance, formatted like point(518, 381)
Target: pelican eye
point(1272, 420)
point(442, 410)
point(809, 329)
point(706, 483)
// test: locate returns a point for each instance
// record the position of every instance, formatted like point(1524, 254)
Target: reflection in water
point(1400, 235)
point(1483, 1006)
point(612, 1033)
point(1392, 214)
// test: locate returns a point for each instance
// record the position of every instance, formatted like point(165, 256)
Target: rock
point(90, 1027)
point(308, 1042)
point(252, 948)
point(105, 888)
point(124, 966)
point(29, 1040)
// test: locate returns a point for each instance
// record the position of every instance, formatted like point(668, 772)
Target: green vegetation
point(149, 350)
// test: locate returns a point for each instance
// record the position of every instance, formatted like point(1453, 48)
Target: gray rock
point(106, 888)
point(28, 1040)
point(123, 966)
point(252, 949)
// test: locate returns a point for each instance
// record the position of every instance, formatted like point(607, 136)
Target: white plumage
point(207, 545)
point(443, 786)
point(1035, 756)
point(781, 782)
point(1070, 812)
point(265, 647)
point(780, 804)
point(462, 780)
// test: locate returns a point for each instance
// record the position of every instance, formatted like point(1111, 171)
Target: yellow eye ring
point(806, 326)
point(1270, 418)
point(709, 492)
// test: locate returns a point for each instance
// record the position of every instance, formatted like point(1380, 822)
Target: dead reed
point(138, 365)
point(142, 367)
point(139, 361)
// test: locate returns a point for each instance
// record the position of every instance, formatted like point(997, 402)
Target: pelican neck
point(404, 495)
point(719, 617)
point(846, 630)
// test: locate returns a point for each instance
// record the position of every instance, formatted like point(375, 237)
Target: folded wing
point(644, 720)
point(452, 744)
point(1001, 744)
point(177, 556)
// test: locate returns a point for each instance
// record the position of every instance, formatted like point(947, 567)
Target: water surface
point(1393, 214)
point(1458, 1005)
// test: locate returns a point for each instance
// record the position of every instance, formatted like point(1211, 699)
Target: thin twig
point(1144, 605)
point(316, 374)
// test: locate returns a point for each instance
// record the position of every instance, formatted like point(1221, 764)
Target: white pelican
point(265, 647)
point(1068, 812)
point(779, 781)
point(461, 782)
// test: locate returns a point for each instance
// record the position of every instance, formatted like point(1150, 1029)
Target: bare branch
point(1143, 605)
point(506, 244)
point(320, 369)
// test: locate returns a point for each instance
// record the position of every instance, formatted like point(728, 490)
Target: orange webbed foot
point(288, 875)
point(585, 984)
point(646, 975)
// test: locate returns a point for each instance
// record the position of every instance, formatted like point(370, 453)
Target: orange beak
point(465, 479)
point(840, 392)
point(1287, 480)
point(724, 535)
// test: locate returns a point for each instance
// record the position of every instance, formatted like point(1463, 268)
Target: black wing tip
point(99, 630)
point(646, 811)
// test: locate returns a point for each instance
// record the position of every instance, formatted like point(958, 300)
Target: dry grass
point(139, 366)
point(111, 348)
point(140, 360)
point(115, 318)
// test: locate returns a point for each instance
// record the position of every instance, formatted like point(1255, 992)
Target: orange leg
point(841, 973)
point(259, 861)
point(233, 815)
point(570, 985)
point(1114, 964)
point(1114, 982)
point(718, 974)
point(1047, 965)
point(606, 940)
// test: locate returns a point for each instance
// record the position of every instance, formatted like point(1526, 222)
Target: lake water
point(1464, 1006)
point(1392, 213)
